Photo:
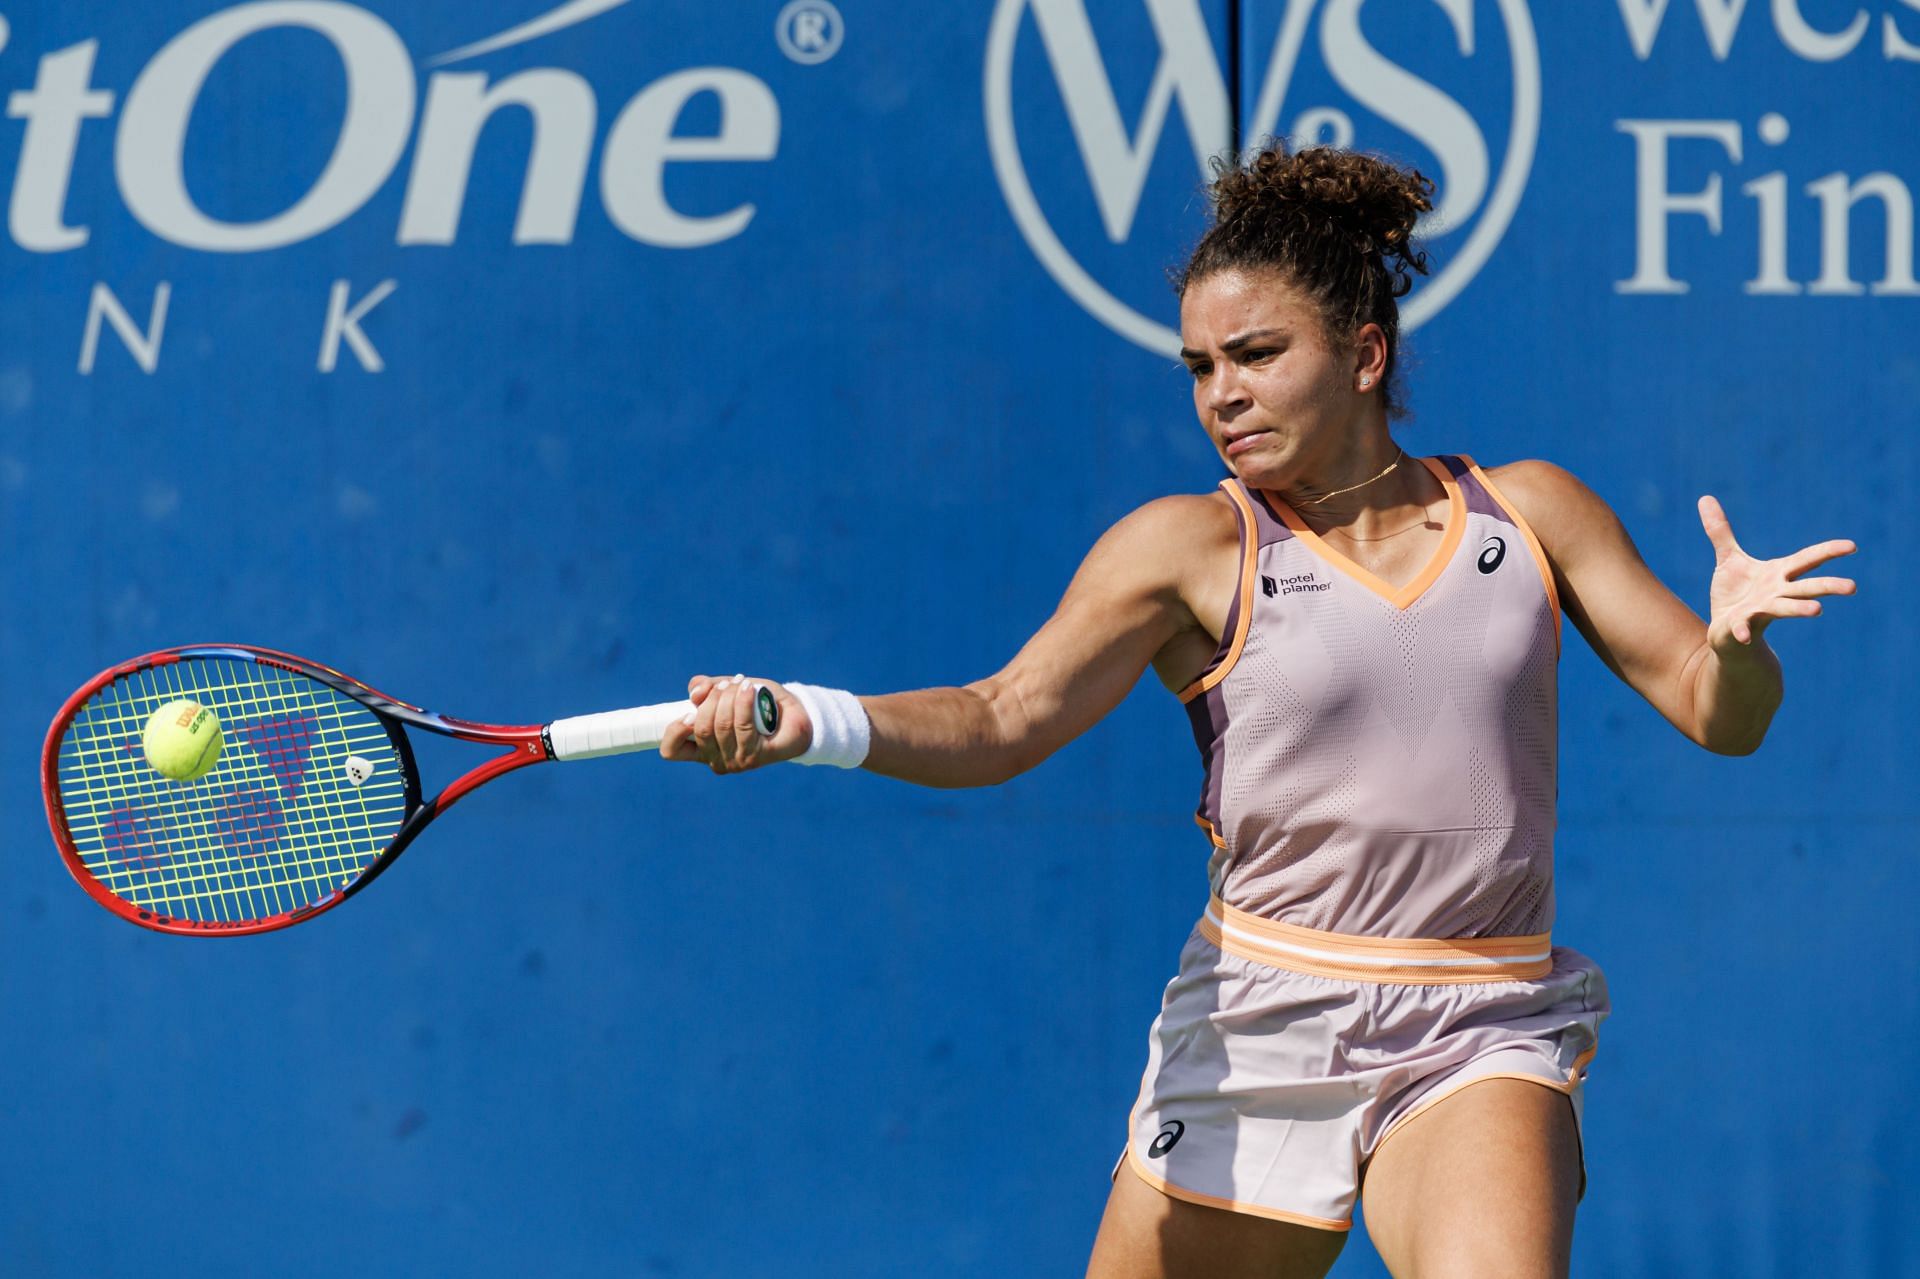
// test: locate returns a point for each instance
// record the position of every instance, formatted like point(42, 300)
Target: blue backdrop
point(821, 343)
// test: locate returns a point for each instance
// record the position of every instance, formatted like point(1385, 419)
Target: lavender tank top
point(1381, 760)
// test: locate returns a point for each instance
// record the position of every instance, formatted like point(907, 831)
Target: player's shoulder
point(1181, 520)
point(1541, 489)
point(1555, 501)
point(1189, 507)
point(1161, 543)
point(1535, 478)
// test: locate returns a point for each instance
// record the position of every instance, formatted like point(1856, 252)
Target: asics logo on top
point(1372, 99)
point(1492, 551)
point(1170, 1134)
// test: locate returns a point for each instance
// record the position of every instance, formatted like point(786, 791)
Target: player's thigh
point(1482, 1185)
point(1149, 1235)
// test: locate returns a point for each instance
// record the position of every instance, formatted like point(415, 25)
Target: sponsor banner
point(272, 129)
point(1308, 79)
point(528, 356)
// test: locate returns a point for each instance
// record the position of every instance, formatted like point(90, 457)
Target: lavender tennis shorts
point(1284, 1056)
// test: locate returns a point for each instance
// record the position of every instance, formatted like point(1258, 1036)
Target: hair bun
point(1365, 201)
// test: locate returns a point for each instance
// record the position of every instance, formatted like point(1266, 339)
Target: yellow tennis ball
point(182, 740)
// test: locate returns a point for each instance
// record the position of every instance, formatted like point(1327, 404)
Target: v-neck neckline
point(1398, 596)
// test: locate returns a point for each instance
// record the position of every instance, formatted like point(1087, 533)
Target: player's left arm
point(1717, 681)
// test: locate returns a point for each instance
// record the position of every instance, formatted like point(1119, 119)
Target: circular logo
point(1189, 92)
point(1492, 551)
point(1170, 1134)
point(766, 712)
point(809, 31)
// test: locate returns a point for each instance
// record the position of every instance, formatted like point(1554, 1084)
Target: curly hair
point(1337, 224)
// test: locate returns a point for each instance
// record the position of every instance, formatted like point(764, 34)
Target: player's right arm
point(1138, 598)
point(1128, 603)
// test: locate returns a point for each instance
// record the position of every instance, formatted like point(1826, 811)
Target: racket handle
point(638, 728)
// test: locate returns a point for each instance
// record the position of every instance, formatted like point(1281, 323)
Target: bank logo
point(1116, 158)
point(436, 107)
point(384, 101)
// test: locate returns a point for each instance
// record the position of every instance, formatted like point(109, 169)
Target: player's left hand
point(1748, 595)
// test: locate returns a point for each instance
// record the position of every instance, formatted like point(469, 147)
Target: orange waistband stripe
point(1401, 960)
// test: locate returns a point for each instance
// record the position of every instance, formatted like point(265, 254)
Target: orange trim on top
point(1212, 834)
point(1172, 1191)
point(1527, 533)
point(1249, 557)
point(1398, 596)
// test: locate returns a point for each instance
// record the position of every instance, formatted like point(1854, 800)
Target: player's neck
point(1384, 498)
point(1367, 473)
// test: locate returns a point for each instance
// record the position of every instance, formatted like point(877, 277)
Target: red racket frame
point(526, 743)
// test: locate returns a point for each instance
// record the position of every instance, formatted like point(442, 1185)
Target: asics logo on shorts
point(1170, 1135)
point(1492, 551)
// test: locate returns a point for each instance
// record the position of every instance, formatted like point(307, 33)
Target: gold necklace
point(1398, 455)
point(1425, 521)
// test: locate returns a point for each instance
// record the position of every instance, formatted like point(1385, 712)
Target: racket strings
point(245, 819)
point(275, 826)
point(174, 855)
point(148, 861)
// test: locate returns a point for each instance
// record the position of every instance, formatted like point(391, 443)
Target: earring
point(1366, 382)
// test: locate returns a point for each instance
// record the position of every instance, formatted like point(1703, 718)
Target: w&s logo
point(1101, 136)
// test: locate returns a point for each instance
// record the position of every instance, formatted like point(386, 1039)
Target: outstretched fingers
point(1806, 588)
point(1812, 557)
point(1749, 594)
point(1719, 531)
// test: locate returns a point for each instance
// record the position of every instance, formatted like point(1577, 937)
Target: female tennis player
point(1366, 644)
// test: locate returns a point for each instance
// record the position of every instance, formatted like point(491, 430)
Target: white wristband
point(841, 730)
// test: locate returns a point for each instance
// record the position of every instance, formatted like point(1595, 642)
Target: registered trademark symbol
point(809, 31)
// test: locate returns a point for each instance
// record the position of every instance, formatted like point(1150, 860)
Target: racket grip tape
point(638, 728)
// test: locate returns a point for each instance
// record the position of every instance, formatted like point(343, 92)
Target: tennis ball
point(182, 740)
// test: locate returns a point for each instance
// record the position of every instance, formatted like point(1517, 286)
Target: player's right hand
point(722, 734)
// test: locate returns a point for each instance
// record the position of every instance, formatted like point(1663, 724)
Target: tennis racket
point(314, 793)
